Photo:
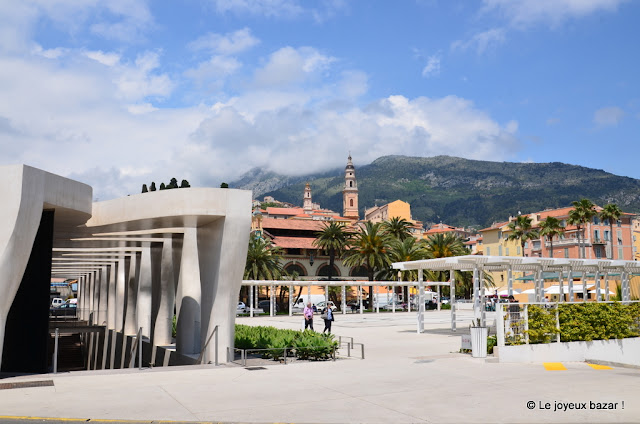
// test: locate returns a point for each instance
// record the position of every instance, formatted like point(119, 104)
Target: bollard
point(55, 352)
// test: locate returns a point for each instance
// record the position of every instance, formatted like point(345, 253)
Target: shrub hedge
point(584, 322)
point(303, 344)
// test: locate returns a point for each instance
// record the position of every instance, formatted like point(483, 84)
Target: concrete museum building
point(139, 260)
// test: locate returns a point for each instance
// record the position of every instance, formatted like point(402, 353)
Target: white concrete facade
point(136, 257)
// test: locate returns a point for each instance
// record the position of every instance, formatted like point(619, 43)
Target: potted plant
point(479, 335)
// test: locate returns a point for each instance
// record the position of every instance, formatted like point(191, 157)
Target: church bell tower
point(350, 192)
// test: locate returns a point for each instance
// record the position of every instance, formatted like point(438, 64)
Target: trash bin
point(479, 342)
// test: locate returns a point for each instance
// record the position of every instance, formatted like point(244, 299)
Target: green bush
point(542, 324)
point(303, 344)
point(445, 306)
point(584, 322)
point(491, 342)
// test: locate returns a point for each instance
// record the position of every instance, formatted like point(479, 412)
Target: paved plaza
point(405, 378)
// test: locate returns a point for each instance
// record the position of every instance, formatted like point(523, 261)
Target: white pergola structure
point(480, 264)
point(136, 258)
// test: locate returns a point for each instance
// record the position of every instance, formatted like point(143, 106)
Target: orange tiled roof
point(495, 226)
point(293, 224)
point(284, 211)
point(295, 242)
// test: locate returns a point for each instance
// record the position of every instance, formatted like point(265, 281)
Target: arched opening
point(359, 271)
point(323, 271)
point(350, 183)
point(351, 202)
point(295, 267)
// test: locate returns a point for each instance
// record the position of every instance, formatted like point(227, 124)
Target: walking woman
point(327, 315)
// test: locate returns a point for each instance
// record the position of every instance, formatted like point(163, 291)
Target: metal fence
point(513, 322)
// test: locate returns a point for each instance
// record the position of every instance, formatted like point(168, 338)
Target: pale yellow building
point(495, 243)
point(635, 225)
point(395, 209)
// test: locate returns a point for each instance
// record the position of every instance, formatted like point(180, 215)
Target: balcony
point(599, 241)
point(567, 242)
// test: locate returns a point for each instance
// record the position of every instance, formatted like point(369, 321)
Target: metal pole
point(509, 281)
point(290, 300)
point(584, 286)
point(499, 324)
point(377, 299)
point(526, 324)
point(251, 287)
point(452, 299)
point(557, 324)
point(598, 289)
point(216, 342)
point(476, 294)
point(55, 352)
point(483, 310)
point(360, 298)
point(420, 303)
point(140, 349)
point(570, 284)
point(606, 286)
point(343, 300)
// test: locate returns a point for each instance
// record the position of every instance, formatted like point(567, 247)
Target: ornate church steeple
point(307, 204)
point(350, 192)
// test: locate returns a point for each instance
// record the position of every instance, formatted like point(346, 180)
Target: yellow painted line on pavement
point(554, 366)
point(84, 420)
point(600, 367)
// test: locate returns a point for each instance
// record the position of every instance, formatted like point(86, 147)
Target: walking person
point(327, 315)
point(308, 316)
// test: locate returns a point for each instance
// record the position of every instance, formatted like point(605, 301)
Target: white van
point(57, 301)
point(304, 299)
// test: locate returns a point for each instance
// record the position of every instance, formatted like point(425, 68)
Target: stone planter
point(479, 341)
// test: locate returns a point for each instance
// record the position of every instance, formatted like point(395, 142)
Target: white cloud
point(482, 41)
point(107, 59)
point(523, 13)
point(432, 68)
point(608, 116)
point(214, 69)
point(292, 66)
point(228, 44)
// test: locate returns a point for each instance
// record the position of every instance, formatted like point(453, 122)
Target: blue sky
point(117, 93)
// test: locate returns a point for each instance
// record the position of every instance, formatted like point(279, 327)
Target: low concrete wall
point(619, 351)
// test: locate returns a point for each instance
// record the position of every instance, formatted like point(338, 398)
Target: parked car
point(400, 306)
point(242, 308)
point(321, 305)
point(265, 305)
point(66, 309)
point(57, 301)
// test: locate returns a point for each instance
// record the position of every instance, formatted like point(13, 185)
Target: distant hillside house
point(444, 228)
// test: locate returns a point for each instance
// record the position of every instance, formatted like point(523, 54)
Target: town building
point(395, 209)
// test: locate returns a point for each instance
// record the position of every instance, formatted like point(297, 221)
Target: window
point(620, 253)
point(598, 250)
point(351, 202)
point(596, 220)
point(507, 251)
point(563, 222)
point(499, 235)
point(607, 236)
point(619, 223)
point(605, 222)
point(566, 252)
point(499, 250)
point(619, 236)
point(488, 251)
point(518, 251)
point(350, 183)
point(596, 235)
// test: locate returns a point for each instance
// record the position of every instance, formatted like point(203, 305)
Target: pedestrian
point(308, 316)
point(327, 315)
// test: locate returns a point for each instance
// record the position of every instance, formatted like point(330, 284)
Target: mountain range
point(455, 191)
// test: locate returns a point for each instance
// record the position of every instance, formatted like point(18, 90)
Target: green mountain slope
point(459, 191)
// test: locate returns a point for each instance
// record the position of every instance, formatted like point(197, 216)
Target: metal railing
point(280, 354)
point(204, 347)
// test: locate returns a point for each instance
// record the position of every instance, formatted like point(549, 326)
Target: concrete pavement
point(405, 378)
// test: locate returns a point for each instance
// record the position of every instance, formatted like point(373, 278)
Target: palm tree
point(369, 247)
point(611, 212)
point(521, 229)
point(405, 250)
point(397, 228)
point(263, 260)
point(550, 228)
point(444, 245)
point(333, 239)
point(582, 213)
